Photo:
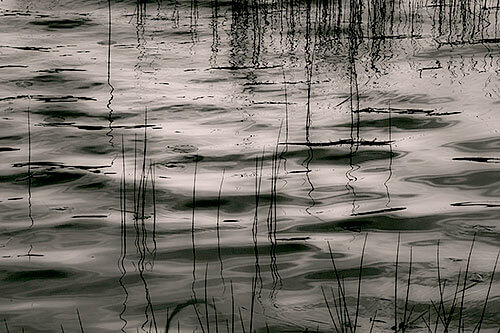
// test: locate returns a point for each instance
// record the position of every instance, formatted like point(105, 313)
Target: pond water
point(195, 166)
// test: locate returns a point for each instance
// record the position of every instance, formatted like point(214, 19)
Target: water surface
point(165, 160)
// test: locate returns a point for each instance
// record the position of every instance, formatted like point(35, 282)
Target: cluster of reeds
point(442, 315)
point(144, 197)
point(453, 21)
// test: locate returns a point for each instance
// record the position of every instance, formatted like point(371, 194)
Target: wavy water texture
point(249, 166)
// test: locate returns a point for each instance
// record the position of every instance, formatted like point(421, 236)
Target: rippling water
point(161, 161)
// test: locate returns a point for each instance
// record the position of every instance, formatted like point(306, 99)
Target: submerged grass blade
point(396, 286)
point(329, 310)
point(359, 283)
point(232, 308)
point(207, 317)
point(460, 316)
point(241, 321)
point(198, 316)
point(341, 290)
point(80, 321)
point(479, 324)
point(373, 321)
point(404, 323)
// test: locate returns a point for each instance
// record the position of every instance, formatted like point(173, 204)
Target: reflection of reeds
point(80, 321)
point(460, 317)
point(467, 26)
point(29, 176)
point(193, 226)
point(342, 319)
point(337, 21)
point(445, 315)
point(272, 218)
point(345, 314)
point(123, 238)
point(218, 230)
point(396, 284)
point(483, 311)
point(406, 320)
point(359, 283)
point(144, 199)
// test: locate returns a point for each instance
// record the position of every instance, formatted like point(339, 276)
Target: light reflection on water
point(165, 160)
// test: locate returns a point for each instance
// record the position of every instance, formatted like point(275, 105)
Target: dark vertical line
point(80, 321)
point(396, 286)
point(256, 33)
point(216, 318)
point(406, 319)
point(373, 321)
point(142, 183)
point(215, 33)
point(309, 68)
point(359, 284)
point(149, 302)
point(194, 302)
point(329, 309)
point(390, 159)
point(460, 317)
point(258, 186)
point(497, 7)
point(354, 97)
point(30, 205)
point(440, 286)
point(193, 25)
point(273, 216)
point(111, 88)
point(232, 308)
point(168, 321)
point(241, 321)
point(152, 172)
point(123, 252)
point(252, 304)
point(218, 229)
point(286, 109)
point(487, 294)
point(141, 234)
point(207, 317)
point(309, 74)
point(135, 176)
point(341, 289)
point(338, 310)
point(193, 225)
